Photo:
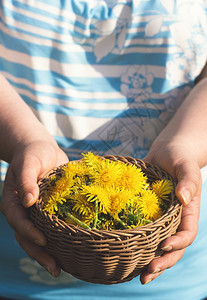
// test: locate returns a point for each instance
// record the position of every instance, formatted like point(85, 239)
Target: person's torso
point(104, 76)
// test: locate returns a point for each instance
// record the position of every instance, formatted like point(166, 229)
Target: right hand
point(29, 163)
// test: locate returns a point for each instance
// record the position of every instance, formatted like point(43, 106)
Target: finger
point(159, 265)
point(189, 181)
point(26, 180)
point(16, 214)
point(188, 228)
point(37, 253)
point(146, 277)
point(17, 218)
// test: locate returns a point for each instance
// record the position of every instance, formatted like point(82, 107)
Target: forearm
point(188, 127)
point(18, 124)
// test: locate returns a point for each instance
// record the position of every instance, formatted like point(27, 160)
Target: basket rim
point(175, 204)
point(140, 228)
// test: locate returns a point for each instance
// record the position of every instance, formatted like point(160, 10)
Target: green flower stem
point(146, 221)
point(80, 223)
point(122, 223)
point(96, 215)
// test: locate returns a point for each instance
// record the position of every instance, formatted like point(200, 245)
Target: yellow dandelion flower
point(91, 159)
point(102, 193)
point(132, 178)
point(64, 183)
point(75, 168)
point(118, 200)
point(82, 205)
point(158, 215)
point(53, 200)
point(88, 219)
point(107, 173)
point(162, 188)
point(148, 204)
point(108, 225)
point(93, 193)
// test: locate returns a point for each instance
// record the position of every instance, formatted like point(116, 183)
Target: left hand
point(179, 162)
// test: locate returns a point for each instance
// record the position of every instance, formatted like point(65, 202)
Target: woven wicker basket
point(101, 256)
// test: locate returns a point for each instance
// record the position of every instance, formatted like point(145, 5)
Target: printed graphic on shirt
point(104, 75)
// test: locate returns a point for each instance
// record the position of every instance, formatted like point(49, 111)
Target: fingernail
point(28, 199)
point(54, 273)
point(50, 271)
point(167, 248)
point(186, 196)
point(157, 270)
point(148, 281)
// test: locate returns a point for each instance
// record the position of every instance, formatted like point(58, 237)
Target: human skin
point(31, 152)
point(180, 149)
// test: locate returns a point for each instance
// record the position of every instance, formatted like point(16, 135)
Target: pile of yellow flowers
point(104, 194)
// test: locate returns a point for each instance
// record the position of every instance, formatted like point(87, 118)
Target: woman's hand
point(181, 150)
point(31, 151)
point(181, 163)
point(29, 163)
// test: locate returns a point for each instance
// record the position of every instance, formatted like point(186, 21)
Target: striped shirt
point(104, 76)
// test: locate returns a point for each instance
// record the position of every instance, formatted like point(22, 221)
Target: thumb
point(26, 176)
point(31, 167)
point(189, 183)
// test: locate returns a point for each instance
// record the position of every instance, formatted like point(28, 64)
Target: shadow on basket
point(104, 256)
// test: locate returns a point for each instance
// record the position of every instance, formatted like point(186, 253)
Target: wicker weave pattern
point(101, 256)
